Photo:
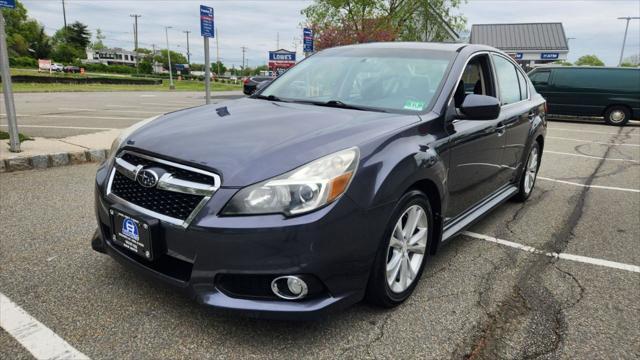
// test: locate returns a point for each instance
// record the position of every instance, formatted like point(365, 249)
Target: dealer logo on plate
point(130, 229)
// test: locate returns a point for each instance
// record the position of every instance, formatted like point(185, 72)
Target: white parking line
point(593, 142)
point(111, 110)
point(591, 132)
point(38, 339)
point(62, 127)
point(564, 256)
point(589, 156)
point(589, 186)
point(80, 117)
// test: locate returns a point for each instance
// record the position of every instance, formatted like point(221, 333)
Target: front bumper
point(336, 245)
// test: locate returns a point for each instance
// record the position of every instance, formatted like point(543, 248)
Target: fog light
point(289, 287)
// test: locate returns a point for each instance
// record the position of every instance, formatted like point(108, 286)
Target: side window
point(523, 86)
point(507, 80)
point(540, 77)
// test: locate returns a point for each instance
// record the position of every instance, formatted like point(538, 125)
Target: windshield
point(386, 79)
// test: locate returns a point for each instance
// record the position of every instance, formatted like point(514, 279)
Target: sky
point(259, 24)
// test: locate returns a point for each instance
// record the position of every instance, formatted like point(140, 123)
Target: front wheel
point(529, 173)
point(401, 256)
point(617, 115)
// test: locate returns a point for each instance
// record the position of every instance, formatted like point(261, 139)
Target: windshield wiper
point(268, 97)
point(340, 104)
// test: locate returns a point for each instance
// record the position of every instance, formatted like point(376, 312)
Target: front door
point(476, 163)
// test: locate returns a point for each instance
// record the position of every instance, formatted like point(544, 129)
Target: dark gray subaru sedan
point(332, 184)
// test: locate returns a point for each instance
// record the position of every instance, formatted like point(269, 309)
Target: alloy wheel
point(406, 249)
point(531, 171)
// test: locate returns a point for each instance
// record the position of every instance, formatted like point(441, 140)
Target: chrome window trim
point(169, 183)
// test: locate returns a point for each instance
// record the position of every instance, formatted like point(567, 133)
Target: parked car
point(323, 188)
point(613, 93)
point(251, 83)
point(56, 67)
point(71, 69)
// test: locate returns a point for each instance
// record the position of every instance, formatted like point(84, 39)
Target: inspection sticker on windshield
point(413, 105)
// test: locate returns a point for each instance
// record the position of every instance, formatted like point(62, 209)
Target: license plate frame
point(132, 233)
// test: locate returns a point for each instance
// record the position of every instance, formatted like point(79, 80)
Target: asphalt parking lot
point(556, 277)
point(58, 115)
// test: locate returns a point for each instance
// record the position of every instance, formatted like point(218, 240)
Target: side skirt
point(455, 226)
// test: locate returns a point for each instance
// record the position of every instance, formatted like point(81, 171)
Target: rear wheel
point(617, 115)
point(529, 173)
point(401, 256)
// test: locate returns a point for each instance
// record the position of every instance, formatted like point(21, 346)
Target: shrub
point(23, 61)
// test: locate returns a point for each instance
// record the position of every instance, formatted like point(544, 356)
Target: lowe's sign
point(282, 56)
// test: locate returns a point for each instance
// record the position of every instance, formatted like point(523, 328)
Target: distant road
point(62, 114)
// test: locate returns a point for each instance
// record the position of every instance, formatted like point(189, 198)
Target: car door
point(476, 146)
point(516, 112)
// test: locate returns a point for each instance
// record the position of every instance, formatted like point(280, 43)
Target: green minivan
point(613, 93)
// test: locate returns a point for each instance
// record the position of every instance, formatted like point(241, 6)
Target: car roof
point(584, 67)
point(410, 45)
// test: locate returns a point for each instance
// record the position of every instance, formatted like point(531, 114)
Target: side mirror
point(480, 107)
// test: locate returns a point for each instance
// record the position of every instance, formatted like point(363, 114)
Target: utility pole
point(217, 52)
point(188, 53)
point(14, 140)
point(244, 50)
point(64, 14)
point(624, 41)
point(166, 33)
point(135, 37)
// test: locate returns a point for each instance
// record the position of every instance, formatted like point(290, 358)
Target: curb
point(52, 160)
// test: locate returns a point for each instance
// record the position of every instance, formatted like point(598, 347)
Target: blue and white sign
point(549, 56)
point(8, 4)
point(130, 229)
point(282, 56)
point(207, 28)
point(518, 56)
point(307, 42)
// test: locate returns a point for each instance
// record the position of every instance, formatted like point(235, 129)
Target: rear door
point(516, 112)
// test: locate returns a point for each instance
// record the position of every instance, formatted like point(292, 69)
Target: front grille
point(176, 203)
point(169, 203)
point(177, 172)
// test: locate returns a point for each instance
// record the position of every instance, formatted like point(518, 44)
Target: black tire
point(378, 290)
point(523, 194)
point(613, 115)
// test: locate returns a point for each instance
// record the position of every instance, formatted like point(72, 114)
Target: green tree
point(176, 58)
point(218, 65)
point(563, 63)
point(340, 22)
point(589, 60)
point(256, 71)
point(25, 36)
point(99, 43)
point(70, 43)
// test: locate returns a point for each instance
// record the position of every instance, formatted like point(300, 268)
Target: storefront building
point(529, 44)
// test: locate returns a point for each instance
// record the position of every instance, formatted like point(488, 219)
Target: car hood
point(249, 140)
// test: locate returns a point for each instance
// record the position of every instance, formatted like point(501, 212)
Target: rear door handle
point(500, 128)
point(532, 114)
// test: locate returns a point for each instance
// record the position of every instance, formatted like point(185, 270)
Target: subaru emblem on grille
point(147, 178)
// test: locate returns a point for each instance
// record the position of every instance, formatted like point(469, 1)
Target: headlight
point(117, 143)
point(304, 189)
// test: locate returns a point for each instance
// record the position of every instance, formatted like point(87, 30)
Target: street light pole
point(624, 41)
point(166, 33)
point(14, 140)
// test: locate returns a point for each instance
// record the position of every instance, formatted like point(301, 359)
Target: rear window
point(540, 77)
point(627, 80)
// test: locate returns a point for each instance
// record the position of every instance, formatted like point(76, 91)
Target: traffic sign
point(206, 21)
point(307, 43)
point(8, 3)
